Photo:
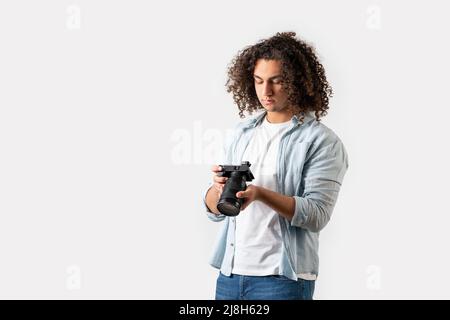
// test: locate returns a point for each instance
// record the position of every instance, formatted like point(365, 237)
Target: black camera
point(229, 204)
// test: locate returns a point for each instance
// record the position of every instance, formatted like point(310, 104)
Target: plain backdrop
point(113, 112)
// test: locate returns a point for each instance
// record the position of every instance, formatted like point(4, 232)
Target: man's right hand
point(215, 191)
point(219, 182)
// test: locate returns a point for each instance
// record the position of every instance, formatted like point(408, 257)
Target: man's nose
point(267, 90)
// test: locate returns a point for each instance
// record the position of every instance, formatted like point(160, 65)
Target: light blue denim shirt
point(311, 165)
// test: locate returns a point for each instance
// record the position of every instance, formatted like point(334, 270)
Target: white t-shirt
point(258, 245)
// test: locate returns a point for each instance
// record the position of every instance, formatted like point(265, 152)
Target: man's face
point(268, 85)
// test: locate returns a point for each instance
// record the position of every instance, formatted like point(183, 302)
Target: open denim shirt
point(311, 165)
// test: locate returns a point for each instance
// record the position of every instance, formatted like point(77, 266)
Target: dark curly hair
point(303, 76)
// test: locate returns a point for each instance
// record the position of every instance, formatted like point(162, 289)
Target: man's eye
point(273, 81)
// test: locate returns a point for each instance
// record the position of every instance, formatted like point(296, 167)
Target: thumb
point(241, 194)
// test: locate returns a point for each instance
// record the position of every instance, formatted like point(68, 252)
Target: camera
point(228, 203)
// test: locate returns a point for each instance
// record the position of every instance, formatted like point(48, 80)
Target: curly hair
point(303, 76)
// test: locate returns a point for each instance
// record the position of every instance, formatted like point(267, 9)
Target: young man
point(270, 250)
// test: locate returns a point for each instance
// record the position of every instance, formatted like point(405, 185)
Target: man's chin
point(271, 108)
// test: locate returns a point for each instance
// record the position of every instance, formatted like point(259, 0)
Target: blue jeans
point(239, 287)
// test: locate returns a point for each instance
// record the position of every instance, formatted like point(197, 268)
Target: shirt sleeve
point(322, 176)
point(212, 216)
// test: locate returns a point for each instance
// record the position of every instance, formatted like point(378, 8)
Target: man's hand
point(284, 205)
point(219, 182)
point(249, 195)
point(214, 193)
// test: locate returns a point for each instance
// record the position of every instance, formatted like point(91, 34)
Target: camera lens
point(229, 207)
point(229, 204)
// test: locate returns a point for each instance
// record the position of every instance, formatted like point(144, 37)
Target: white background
point(112, 113)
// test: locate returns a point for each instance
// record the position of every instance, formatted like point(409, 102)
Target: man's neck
point(279, 116)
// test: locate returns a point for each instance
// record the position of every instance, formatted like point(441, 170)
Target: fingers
point(219, 182)
point(220, 179)
point(216, 169)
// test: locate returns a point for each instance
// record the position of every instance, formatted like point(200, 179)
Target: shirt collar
point(253, 122)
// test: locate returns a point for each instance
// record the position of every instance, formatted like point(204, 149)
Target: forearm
point(282, 204)
point(212, 197)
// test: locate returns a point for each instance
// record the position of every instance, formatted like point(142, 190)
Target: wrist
point(259, 193)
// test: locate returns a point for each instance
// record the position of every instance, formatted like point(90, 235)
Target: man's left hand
point(249, 195)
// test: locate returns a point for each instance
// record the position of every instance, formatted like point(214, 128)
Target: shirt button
point(231, 244)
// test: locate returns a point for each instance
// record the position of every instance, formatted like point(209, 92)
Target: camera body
point(228, 203)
